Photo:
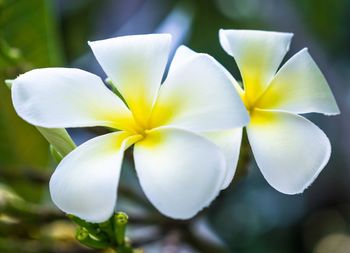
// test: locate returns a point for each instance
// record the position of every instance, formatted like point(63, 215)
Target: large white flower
point(289, 150)
point(179, 168)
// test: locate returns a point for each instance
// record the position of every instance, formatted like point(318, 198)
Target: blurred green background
point(248, 217)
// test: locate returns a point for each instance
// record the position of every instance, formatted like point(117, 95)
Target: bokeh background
point(248, 217)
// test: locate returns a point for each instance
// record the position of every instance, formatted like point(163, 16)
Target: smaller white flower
point(289, 150)
point(179, 169)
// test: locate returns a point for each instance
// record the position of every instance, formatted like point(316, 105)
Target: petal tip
point(335, 112)
point(221, 30)
point(291, 35)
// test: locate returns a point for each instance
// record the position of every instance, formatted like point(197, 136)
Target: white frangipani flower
point(179, 168)
point(289, 150)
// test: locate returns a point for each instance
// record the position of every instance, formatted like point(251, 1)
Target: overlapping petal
point(289, 150)
point(299, 87)
point(257, 54)
point(184, 54)
point(198, 96)
point(62, 97)
point(229, 141)
point(85, 182)
point(179, 171)
point(136, 66)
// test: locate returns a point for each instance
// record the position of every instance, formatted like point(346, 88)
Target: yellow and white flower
point(289, 150)
point(179, 168)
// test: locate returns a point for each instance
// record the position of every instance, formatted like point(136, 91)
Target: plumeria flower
point(289, 150)
point(180, 156)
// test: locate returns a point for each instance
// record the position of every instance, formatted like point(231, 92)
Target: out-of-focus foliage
point(248, 217)
point(30, 28)
point(328, 22)
point(28, 39)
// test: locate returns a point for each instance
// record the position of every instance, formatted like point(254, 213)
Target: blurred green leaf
point(27, 29)
point(28, 39)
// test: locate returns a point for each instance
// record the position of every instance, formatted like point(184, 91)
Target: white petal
point(199, 96)
point(229, 142)
point(63, 97)
point(299, 87)
point(184, 54)
point(289, 150)
point(180, 172)
point(85, 182)
point(257, 54)
point(136, 65)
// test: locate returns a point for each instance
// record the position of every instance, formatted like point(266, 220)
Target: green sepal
point(59, 139)
point(93, 229)
point(85, 238)
point(57, 156)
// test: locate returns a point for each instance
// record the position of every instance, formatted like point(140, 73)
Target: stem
point(107, 228)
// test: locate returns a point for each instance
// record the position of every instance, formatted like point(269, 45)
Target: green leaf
point(28, 39)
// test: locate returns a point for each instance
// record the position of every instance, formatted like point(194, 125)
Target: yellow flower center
point(142, 131)
point(252, 104)
point(252, 100)
point(141, 125)
point(249, 103)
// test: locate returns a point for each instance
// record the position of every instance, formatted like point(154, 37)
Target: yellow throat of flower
point(250, 103)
